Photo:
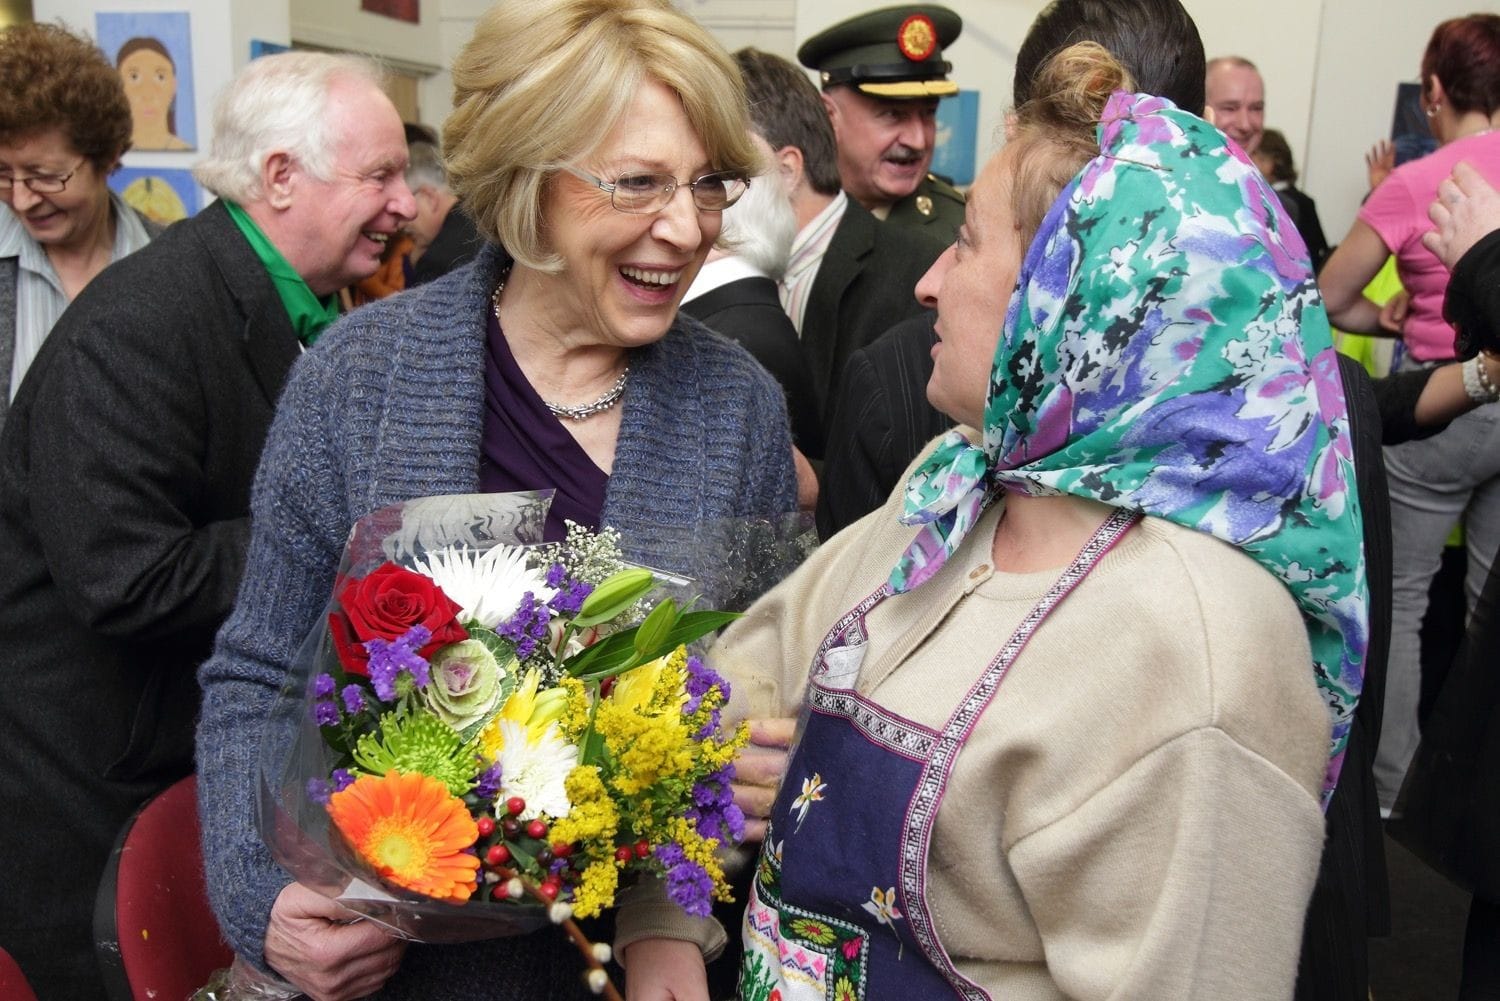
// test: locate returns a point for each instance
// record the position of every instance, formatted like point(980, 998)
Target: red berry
point(511, 827)
point(623, 853)
point(606, 686)
point(548, 890)
point(642, 848)
point(499, 892)
point(497, 855)
point(536, 829)
point(515, 805)
point(486, 826)
point(561, 849)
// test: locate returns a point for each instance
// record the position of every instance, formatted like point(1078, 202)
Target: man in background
point(850, 275)
point(125, 473)
point(444, 239)
point(736, 295)
point(1237, 97)
point(882, 74)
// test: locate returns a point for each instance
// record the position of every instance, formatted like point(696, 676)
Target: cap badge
point(924, 205)
point(917, 37)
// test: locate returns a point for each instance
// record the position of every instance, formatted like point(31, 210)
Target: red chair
point(13, 984)
point(154, 933)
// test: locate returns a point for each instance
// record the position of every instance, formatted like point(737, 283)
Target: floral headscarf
point(1166, 349)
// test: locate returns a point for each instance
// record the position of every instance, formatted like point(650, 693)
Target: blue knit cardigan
point(387, 407)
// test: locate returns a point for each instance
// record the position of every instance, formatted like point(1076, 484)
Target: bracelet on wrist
point(1477, 382)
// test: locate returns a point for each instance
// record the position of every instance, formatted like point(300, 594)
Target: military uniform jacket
point(936, 208)
point(866, 283)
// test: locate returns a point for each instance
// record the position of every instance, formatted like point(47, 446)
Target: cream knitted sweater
point(1136, 814)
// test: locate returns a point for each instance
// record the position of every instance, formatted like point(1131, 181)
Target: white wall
point(1357, 71)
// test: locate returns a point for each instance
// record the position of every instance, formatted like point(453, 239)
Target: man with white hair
point(443, 235)
point(125, 472)
point(735, 294)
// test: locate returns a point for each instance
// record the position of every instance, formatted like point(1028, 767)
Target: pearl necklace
point(584, 410)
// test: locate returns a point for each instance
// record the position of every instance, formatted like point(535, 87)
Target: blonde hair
point(1055, 132)
point(543, 81)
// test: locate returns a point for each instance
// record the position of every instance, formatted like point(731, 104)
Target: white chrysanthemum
point(536, 771)
point(488, 585)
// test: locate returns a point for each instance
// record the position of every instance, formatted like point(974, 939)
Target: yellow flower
point(634, 688)
point(646, 748)
point(596, 890)
point(534, 710)
point(412, 831)
point(593, 819)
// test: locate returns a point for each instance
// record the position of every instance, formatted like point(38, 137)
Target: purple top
point(525, 447)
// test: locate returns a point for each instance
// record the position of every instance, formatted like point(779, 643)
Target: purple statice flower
point(701, 679)
point(527, 628)
point(488, 786)
point(570, 592)
point(689, 886)
point(713, 809)
point(390, 658)
point(343, 778)
point(325, 713)
point(323, 686)
point(354, 699)
point(318, 791)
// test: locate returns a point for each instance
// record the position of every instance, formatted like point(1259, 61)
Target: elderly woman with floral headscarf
point(1072, 739)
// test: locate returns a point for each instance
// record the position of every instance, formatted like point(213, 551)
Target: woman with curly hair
point(64, 124)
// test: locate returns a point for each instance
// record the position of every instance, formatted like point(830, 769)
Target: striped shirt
point(39, 293)
point(807, 255)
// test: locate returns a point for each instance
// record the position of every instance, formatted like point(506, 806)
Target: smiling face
point(885, 146)
point(624, 274)
point(970, 286)
point(339, 226)
point(150, 85)
point(69, 218)
point(1238, 99)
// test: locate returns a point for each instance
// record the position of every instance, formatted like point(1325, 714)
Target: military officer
point(882, 74)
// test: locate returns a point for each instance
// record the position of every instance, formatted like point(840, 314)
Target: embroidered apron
point(837, 908)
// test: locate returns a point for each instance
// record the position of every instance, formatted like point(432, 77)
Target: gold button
point(979, 571)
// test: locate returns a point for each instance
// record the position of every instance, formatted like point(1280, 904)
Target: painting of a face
point(150, 86)
point(154, 56)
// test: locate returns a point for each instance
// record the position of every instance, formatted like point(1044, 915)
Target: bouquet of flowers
point(491, 734)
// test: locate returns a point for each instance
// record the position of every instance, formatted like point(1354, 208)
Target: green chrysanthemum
point(418, 742)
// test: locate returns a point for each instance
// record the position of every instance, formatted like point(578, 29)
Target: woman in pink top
point(1456, 473)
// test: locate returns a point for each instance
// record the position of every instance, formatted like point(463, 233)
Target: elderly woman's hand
point(758, 770)
point(324, 950)
point(1466, 210)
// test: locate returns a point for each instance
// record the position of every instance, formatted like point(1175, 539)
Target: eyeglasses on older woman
point(643, 192)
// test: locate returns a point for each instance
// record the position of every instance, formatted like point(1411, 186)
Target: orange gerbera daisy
point(412, 830)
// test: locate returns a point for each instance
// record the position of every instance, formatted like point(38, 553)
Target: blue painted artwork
point(154, 55)
point(161, 194)
point(1410, 133)
point(957, 137)
point(260, 48)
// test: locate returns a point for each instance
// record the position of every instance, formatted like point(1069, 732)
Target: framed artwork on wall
point(401, 10)
point(155, 57)
point(160, 194)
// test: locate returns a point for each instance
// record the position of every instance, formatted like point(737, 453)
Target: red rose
point(385, 604)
